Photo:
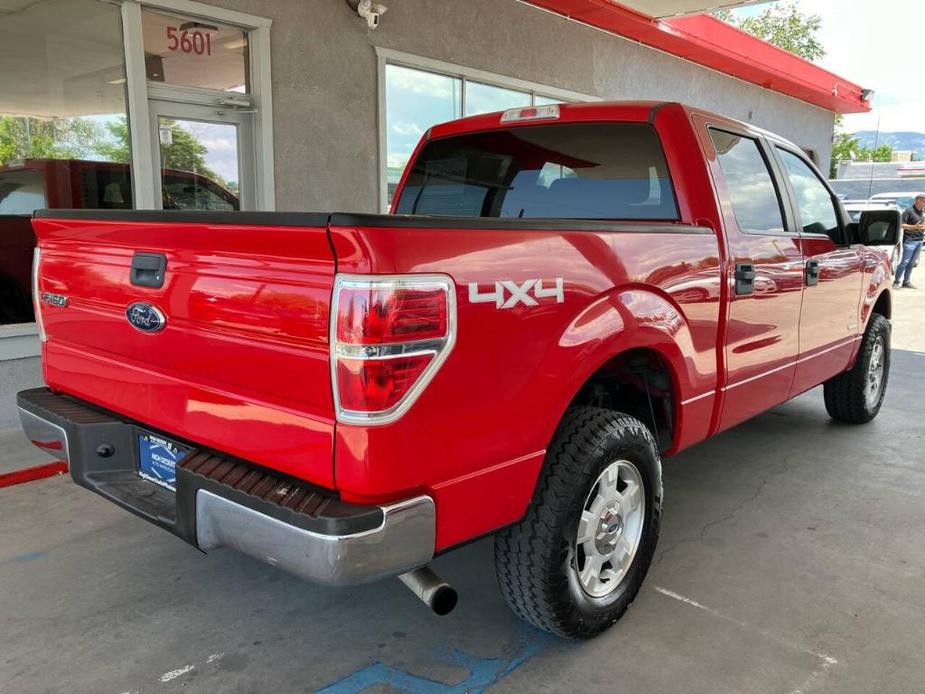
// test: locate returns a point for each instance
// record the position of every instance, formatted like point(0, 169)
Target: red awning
point(707, 41)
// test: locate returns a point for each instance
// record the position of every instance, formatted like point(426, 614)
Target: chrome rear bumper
point(327, 541)
point(404, 541)
point(50, 437)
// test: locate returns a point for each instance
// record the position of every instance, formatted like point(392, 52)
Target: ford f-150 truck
point(562, 297)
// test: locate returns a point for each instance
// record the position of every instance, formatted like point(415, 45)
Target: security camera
point(371, 11)
point(866, 95)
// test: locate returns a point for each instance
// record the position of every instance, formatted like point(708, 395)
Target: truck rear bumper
point(225, 502)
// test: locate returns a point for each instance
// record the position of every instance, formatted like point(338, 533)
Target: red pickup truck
point(562, 297)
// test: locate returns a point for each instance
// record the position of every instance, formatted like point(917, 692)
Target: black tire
point(846, 395)
point(535, 558)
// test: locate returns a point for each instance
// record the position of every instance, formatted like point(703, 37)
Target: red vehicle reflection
point(76, 184)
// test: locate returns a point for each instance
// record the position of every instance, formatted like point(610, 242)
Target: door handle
point(745, 278)
point(148, 270)
point(812, 273)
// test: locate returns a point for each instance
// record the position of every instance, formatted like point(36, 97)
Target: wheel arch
point(631, 330)
point(883, 305)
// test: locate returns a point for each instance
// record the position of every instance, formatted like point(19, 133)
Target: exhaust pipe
point(436, 593)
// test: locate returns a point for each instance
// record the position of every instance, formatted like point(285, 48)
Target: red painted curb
point(33, 473)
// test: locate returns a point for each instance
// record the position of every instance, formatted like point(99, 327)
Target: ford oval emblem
point(145, 317)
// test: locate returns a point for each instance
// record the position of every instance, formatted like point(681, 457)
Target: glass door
point(204, 157)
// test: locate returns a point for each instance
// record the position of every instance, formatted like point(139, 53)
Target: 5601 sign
point(198, 42)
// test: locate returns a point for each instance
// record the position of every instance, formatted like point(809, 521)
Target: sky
point(879, 45)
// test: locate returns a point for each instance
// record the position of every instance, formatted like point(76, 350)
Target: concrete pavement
point(791, 560)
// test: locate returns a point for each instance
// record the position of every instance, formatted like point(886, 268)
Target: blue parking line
point(483, 672)
point(31, 556)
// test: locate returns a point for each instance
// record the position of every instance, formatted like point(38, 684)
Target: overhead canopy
point(705, 40)
point(673, 8)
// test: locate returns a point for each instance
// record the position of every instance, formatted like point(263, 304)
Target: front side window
point(817, 211)
point(563, 171)
point(751, 188)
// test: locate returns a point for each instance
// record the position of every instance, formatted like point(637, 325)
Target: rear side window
point(105, 186)
point(21, 192)
point(751, 188)
point(563, 171)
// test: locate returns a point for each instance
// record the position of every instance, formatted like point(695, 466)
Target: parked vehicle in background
point(562, 297)
point(75, 184)
point(854, 208)
point(903, 200)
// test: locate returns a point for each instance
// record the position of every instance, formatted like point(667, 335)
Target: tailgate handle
point(148, 269)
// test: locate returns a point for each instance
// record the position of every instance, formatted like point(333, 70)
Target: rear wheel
point(576, 560)
point(856, 395)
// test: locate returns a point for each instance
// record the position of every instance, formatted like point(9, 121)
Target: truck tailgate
point(241, 364)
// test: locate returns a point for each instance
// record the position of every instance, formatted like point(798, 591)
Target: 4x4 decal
point(508, 293)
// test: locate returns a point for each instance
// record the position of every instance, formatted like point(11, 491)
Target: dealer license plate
point(157, 460)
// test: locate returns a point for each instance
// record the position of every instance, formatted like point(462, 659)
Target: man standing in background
point(913, 232)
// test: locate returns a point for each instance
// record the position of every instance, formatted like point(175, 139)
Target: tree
point(783, 25)
point(24, 137)
point(184, 152)
point(117, 147)
point(847, 147)
point(844, 146)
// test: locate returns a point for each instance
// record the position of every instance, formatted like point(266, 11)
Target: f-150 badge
point(508, 293)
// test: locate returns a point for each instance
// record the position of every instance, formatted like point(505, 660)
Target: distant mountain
point(897, 140)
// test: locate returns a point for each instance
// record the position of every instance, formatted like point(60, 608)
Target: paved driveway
point(791, 560)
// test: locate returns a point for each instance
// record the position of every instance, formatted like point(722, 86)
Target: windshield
point(562, 171)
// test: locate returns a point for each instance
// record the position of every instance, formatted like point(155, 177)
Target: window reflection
point(486, 98)
point(817, 212)
point(415, 100)
point(418, 99)
point(190, 53)
point(63, 133)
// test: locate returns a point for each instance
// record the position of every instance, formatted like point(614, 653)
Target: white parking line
point(174, 674)
point(827, 660)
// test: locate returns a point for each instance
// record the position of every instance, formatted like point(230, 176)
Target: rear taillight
point(389, 336)
point(36, 296)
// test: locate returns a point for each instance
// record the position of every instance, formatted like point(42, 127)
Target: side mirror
point(879, 227)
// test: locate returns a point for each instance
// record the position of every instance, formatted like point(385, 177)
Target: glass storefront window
point(63, 128)
point(485, 98)
point(199, 165)
point(415, 100)
point(184, 52)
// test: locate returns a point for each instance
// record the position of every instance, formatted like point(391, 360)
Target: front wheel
point(855, 396)
point(576, 560)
